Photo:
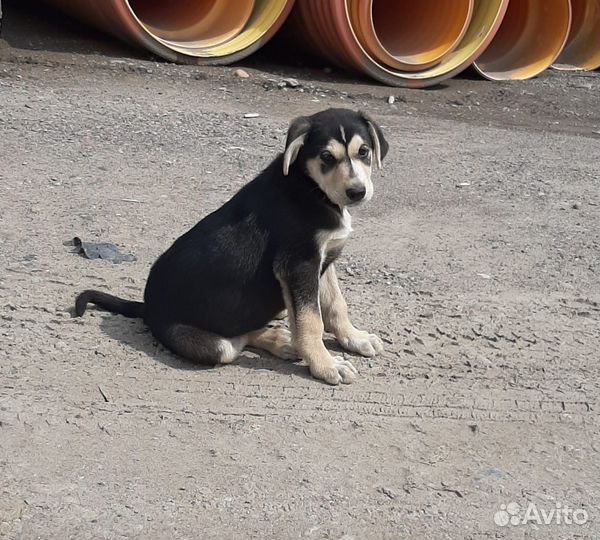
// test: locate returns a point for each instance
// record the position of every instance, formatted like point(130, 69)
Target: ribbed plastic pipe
point(334, 29)
point(582, 50)
point(529, 40)
point(187, 31)
point(408, 35)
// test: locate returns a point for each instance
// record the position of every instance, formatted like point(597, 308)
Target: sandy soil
point(476, 261)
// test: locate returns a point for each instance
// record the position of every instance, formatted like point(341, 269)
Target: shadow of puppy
point(134, 333)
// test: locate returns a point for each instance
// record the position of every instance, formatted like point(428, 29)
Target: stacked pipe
point(399, 42)
point(582, 49)
point(186, 31)
point(529, 40)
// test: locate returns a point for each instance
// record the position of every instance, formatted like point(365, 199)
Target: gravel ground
point(476, 261)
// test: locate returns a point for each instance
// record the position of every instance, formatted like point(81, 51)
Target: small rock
point(242, 74)
point(485, 362)
point(251, 115)
point(391, 99)
point(292, 83)
point(463, 184)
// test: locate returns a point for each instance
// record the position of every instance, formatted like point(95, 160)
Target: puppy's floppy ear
point(295, 139)
point(380, 145)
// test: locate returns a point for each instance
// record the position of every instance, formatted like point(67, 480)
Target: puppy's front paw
point(341, 371)
point(363, 343)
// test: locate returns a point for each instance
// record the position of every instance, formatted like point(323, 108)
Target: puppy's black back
point(219, 276)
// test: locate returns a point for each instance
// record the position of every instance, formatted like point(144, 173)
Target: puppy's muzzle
point(356, 194)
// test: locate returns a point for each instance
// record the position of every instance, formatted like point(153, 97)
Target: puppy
point(271, 247)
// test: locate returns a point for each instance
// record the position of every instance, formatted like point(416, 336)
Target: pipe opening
point(339, 30)
point(192, 24)
point(583, 44)
point(531, 36)
point(420, 32)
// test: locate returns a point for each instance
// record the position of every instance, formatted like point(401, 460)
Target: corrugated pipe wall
point(187, 31)
point(398, 42)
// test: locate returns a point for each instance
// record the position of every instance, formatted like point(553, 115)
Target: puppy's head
point(337, 149)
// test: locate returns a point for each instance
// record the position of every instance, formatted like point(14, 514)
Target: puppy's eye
point(363, 151)
point(327, 157)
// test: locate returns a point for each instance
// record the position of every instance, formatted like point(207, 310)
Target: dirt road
point(476, 261)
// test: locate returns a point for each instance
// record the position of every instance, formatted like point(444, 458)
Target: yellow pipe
point(582, 50)
point(188, 31)
point(528, 41)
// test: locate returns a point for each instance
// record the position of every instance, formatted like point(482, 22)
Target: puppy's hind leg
point(202, 346)
point(276, 340)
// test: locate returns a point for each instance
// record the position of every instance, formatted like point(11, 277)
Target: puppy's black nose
point(356, 194)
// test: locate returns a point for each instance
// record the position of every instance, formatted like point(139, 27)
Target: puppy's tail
point(109, 302)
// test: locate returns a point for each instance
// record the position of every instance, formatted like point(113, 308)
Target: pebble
point(242, 74)
point(391, 99)
point(251, 115)
point(292, 83)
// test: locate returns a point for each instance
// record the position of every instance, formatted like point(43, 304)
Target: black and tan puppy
point(272, 246)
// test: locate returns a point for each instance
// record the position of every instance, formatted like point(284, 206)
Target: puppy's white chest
point(333, 240)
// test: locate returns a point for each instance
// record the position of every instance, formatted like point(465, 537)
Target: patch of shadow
point(267, 362)
point(35, 26)
point(134, 333)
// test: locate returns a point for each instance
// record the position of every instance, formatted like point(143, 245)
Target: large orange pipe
point(530, 38)
point(409, 35)
point(582, 50)
point(196, 31)
point(337, 30)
